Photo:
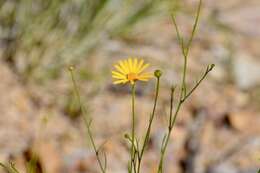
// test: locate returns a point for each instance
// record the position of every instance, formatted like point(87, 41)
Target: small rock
point(224, 168)
point(246, 71)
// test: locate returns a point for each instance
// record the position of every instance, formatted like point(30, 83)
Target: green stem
point(166, 141)
point(87, 122)
point(173, 117)
point(183, 94)
point(148, 131)
point(132, 166)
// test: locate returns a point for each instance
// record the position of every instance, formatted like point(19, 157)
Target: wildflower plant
point(129, 72)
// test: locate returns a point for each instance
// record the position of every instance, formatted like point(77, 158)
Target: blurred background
point(218, 128)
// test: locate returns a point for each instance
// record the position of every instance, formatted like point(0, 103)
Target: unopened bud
point(71, 68)
point(127, 136)
point(157, 73)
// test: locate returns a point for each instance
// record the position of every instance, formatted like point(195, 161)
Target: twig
point(87, 123)
point(183, 93)
point(157, 74)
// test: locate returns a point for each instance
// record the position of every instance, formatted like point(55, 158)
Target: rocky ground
point(217, 130)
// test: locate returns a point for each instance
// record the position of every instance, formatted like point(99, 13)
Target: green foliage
point(40, 37)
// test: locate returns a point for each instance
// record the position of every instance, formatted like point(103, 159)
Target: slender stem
point(10, 168)
point(173, 117)
point(13, 167)
point(209, 68)
point(166, 142)
point(194, 27)
point(87, 121)
point(171, 106)
point(167, 137)
point(132, 166)
point(183, 95)
point(148, 131)
point(160, 167)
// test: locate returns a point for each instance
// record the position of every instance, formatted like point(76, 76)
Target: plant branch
point(148, 131)
point(183, 93)
point(87, 122)
point(133, 153)
point(209, 68)
point(10, 169)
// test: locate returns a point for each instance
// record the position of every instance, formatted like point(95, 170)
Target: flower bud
point(212, 66)
point(126, 136)
point(71, 68)
point(157, 73)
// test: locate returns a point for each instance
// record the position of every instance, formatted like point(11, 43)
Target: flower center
point(132, 76)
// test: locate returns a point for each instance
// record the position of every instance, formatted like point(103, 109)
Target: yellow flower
point(130, 70)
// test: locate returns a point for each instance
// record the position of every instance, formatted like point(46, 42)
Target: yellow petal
point(146, 75)
point(117, 77)
point(122, 65)
point(118, 74)
point(125, 62)
point(143, 78)
point(135, 65)
point(143, 68)
point(130, 70)
point(120, 69)
point(140, 64)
